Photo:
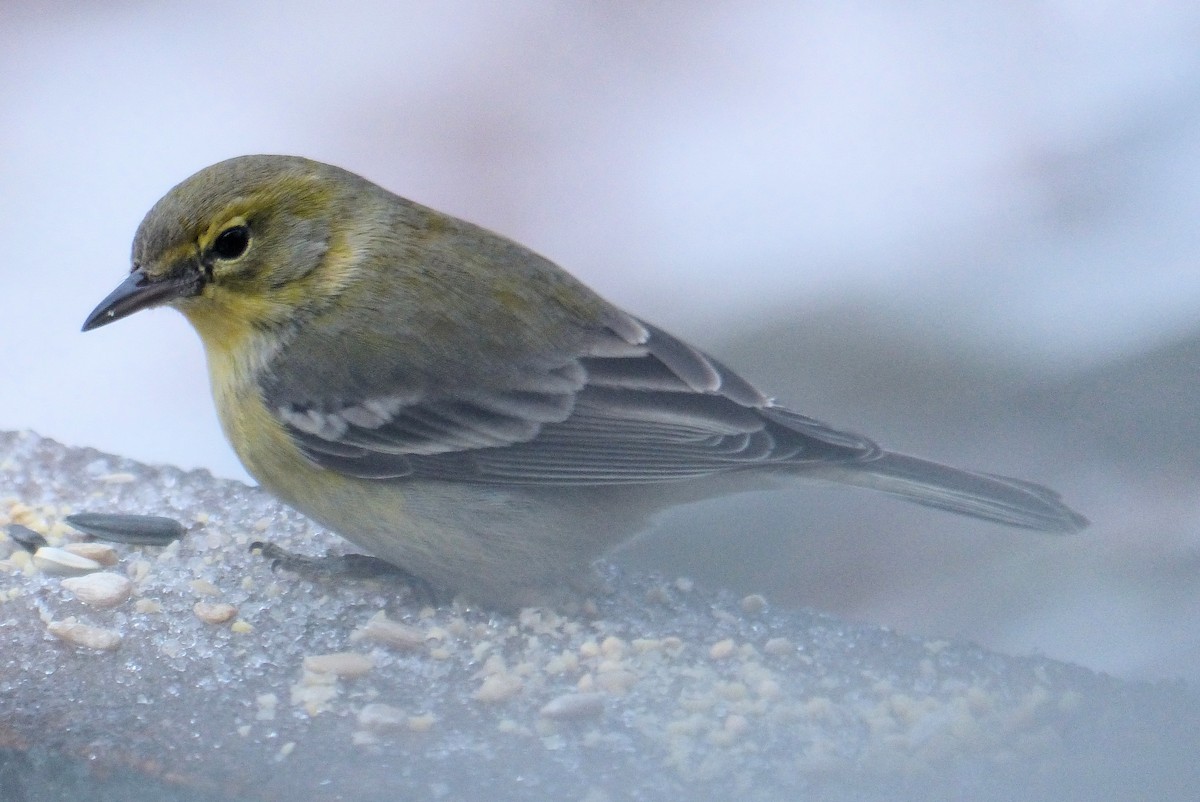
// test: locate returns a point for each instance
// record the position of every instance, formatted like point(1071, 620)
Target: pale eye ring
point(232, 242)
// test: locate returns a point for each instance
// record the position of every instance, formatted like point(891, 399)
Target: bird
point(461, 407)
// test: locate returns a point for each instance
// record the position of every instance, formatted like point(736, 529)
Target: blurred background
point(967, 230)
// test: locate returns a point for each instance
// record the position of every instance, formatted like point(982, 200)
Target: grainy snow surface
point(283, 687)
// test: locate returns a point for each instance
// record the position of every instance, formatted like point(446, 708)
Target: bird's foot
point(344, 566)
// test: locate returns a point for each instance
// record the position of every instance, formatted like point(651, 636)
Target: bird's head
point(239, 246)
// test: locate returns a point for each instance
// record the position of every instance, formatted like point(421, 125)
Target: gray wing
point(635, 406)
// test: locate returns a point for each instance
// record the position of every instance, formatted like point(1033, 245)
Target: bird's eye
point(231, 243)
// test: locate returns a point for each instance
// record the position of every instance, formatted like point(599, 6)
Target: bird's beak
point(138, 292)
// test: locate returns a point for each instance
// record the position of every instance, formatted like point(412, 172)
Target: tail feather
point(981, 495)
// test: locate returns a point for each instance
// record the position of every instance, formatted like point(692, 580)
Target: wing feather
point(634, 405)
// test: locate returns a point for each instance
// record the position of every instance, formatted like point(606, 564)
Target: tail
point(980, 495)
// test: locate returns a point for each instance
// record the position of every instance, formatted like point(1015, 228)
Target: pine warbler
point(461, 407)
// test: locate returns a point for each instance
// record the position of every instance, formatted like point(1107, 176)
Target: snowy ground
point(355, 690)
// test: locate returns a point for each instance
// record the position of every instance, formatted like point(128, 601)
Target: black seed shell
point(26, 538)
point(141, 530)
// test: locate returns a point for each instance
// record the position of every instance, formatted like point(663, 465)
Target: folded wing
point(633, 406)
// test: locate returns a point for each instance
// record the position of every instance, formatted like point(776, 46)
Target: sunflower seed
point(101, 589)
point(138, 530)
point(26, 538)
point(59, 562)
point(100, 552)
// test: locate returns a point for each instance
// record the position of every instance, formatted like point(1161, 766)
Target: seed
point(138, 530)
point(499, 687)
point(394, 633)
point(148, 606)
point(70, 630)
point(342, 664)
point(50, 560)
point(721, 649)
point(673, 646)
point(574, 705)
point(778, 647)
point(615, 680)
point(214, 612)
point(612, 646)
point(754, 604)
point(380, 717)
point(202, 587)
point(100, 552)
point(26, 538)
point(101, 589)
